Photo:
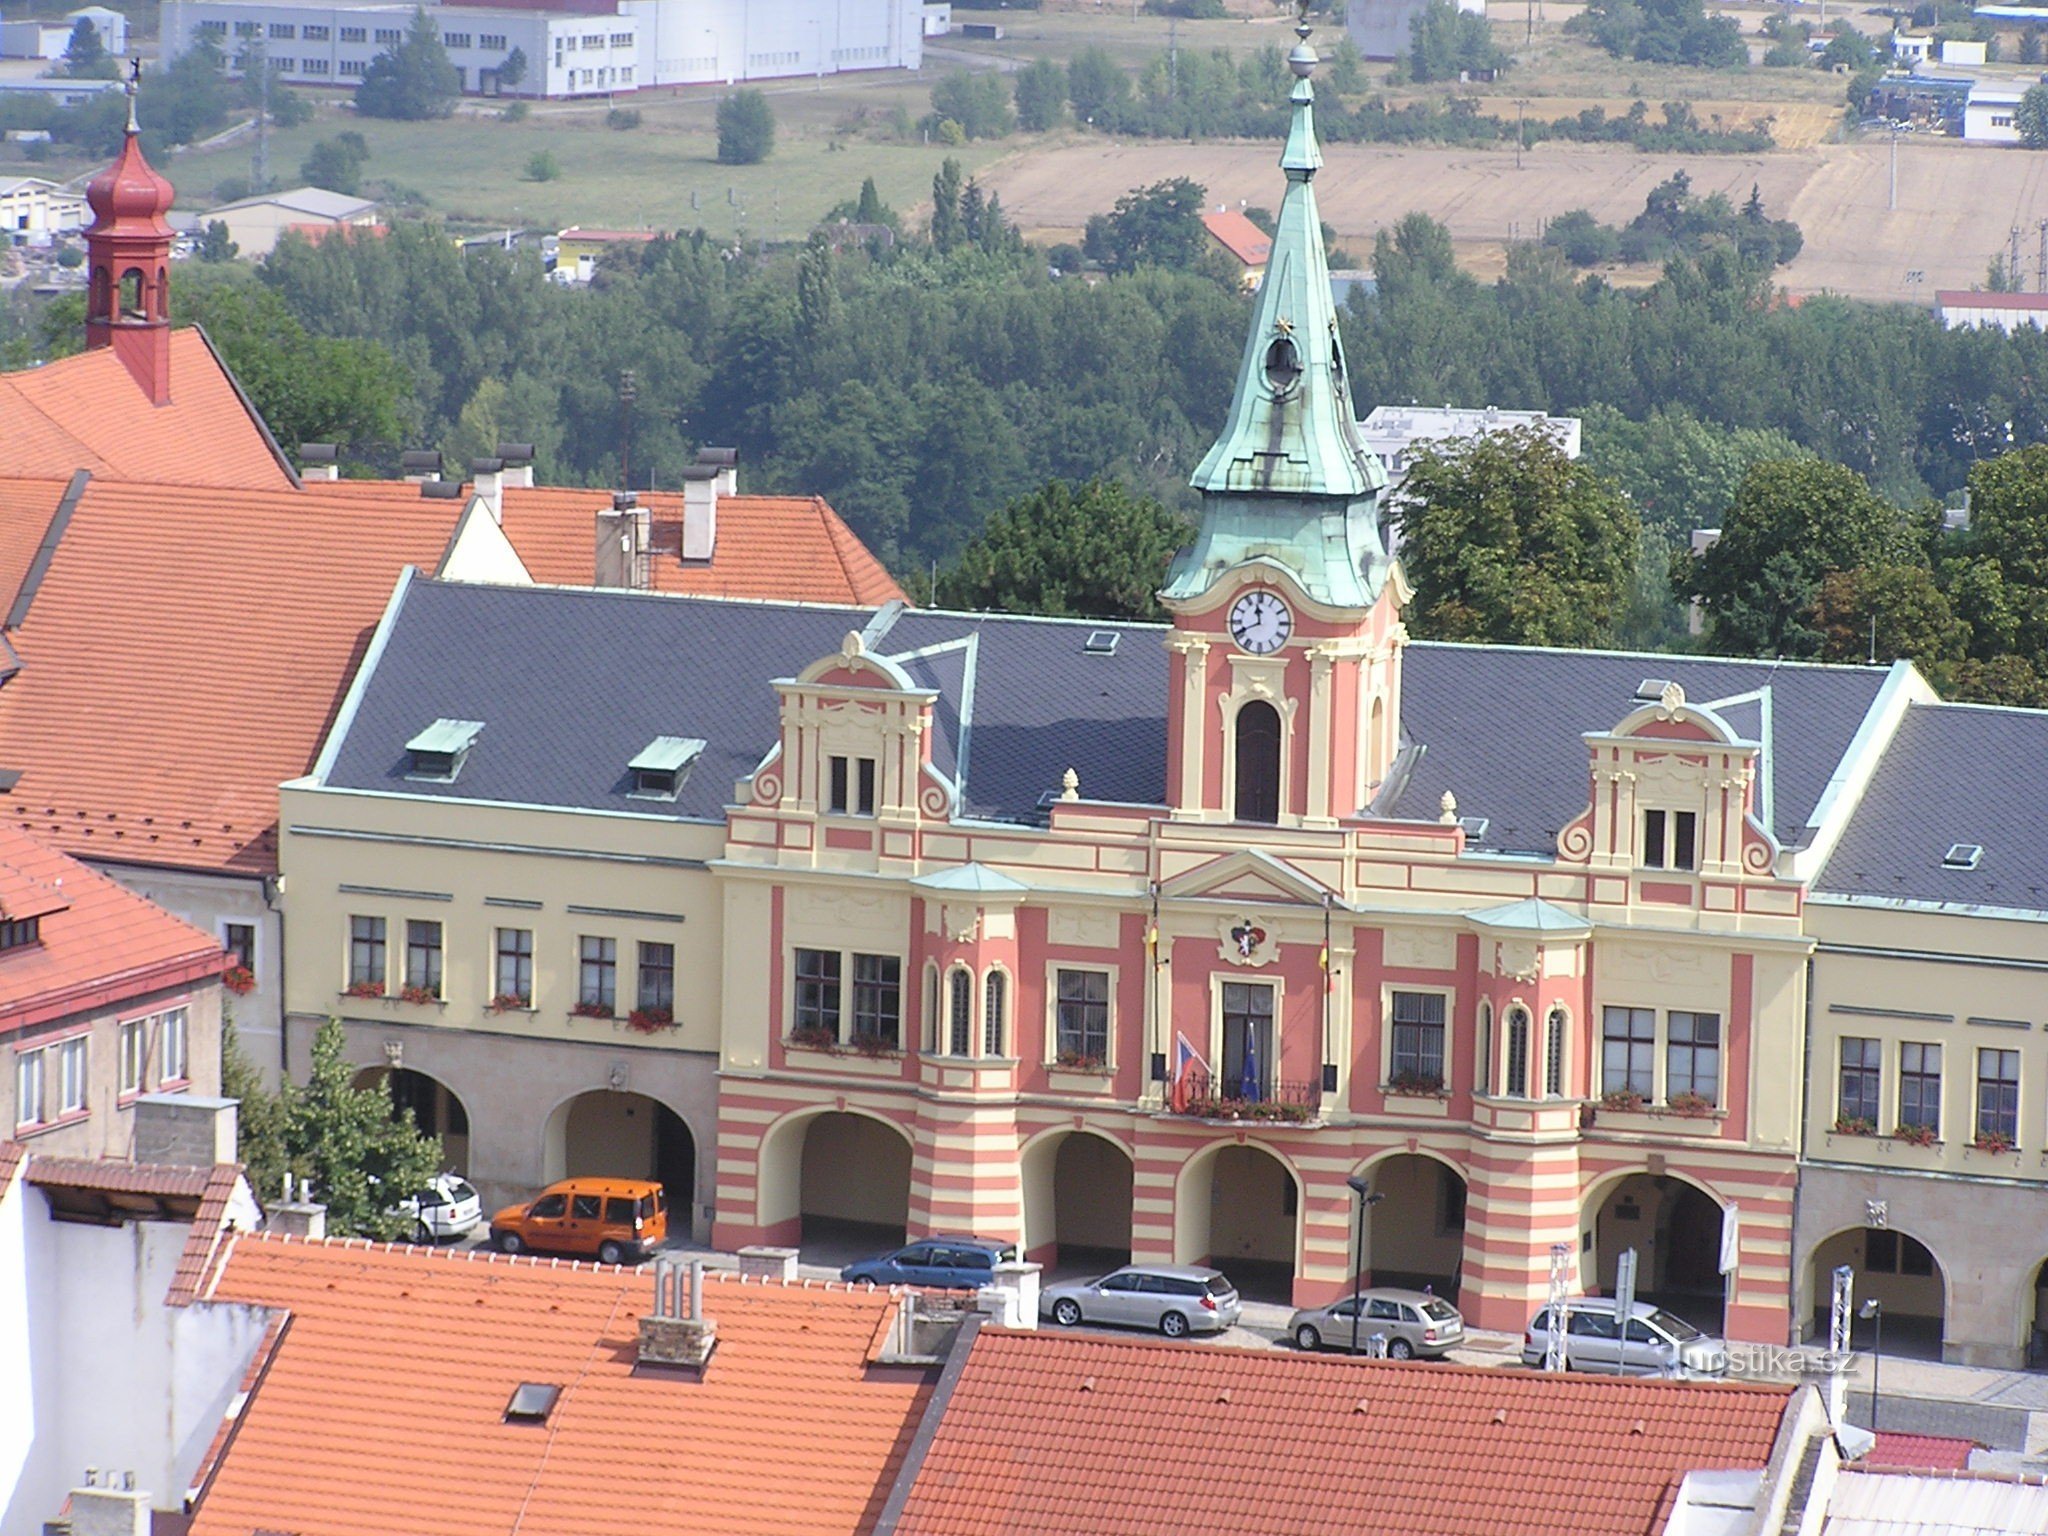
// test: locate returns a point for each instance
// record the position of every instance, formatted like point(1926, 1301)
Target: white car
point(447, 1208)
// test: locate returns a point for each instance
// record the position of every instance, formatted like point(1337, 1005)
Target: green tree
point(1088, 551)
point(1680, 471)
point(413, 80)
point(2031, 117)
point(337, 163)
point(1097, 87)
point(1848, 49)
point(85, 56)
point(261, 1144)
point(513, 70)
point(361, 1153)
point(1160, 226)
point(1507, 540)
point(1792, 523)
point(947, 230)
point(1448, 41)
point(817, 290)
point(978, 101)
point(1885, 612)
point(1041, 95)
point(2008, 541)
point(482, 425)
point(541, 165)
point(215, 245)
point(746, 128)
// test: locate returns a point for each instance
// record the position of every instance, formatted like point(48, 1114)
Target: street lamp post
point(1360, 1186)
point(1874, 1310)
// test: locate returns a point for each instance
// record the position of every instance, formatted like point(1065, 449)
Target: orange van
point(613, 1220)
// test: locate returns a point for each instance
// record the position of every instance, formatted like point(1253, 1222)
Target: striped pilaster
point(1521, 1198)
point(964, 1171)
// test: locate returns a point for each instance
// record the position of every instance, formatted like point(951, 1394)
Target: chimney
point(319, 461)
point(760, 1262)
point(436, 489)
point(623, 536)
point(186, 1130)
point(489, 475)
point(298, 1214)
point(727, 462)
point(518, 459)
point(677, 1333)
point(700, 510)
point(420, 464)
point(109, 1505)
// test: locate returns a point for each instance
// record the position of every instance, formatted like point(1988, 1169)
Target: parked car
point(1175, 1299)
point(947, 1262)
point(446, 1209)
point(612, 1219)
point(1658, 1344)
point(1415, 1323)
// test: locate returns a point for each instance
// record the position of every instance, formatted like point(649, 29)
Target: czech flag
point(1186, 1059)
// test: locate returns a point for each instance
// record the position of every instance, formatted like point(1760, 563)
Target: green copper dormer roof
point(1291, 477)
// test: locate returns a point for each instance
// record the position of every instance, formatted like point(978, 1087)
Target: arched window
point(961, 1015)
point(1376, 744)
point(931, 1009)
point(992, 1015)
point(131, 294)
point(1518, 1053)
point(1482, 1062)
point(1258, 762)
point(102, 292)
point(1553, 1055)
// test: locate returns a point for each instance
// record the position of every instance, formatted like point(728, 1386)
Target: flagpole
point(1323, 1059)
point(1159, 1023)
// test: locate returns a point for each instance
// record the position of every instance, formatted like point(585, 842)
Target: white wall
point(685, 42)
point(1991, 122)
point(100, 1371)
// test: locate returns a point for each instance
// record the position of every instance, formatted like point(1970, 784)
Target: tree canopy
point(413, 79)
point(1087, 551)
point(1160, 226)
point(746, 128)
point(1449, 41)
point(1508, 540)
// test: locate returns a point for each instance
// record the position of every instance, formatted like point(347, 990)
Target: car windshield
point(1677, 1327)
point(1440, 1311)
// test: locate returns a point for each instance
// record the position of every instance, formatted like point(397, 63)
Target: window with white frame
point(1670, 840)
point(28, 1088)
point(1692, 1057)
point(514, 968)
point(1518, 1053)
point(1482, 1058)
point(365, 953)
point(1628, 1056)
point(423, 956)
point(959, 1011)
point(992, 996)
point(817, 993)
point(1553, 1054)
point(1081, 1018)
point(878, 1000)
point(134, 1037)
point(1920, 1086)
point(72, 1061)
point(597, 984)
point(175, 1027)
point(1418, 1040)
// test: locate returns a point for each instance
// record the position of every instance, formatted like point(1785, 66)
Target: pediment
point(1248, 876)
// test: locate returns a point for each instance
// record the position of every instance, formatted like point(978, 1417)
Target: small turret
point(128, 257)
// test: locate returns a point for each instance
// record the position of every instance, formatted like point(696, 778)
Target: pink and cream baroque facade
point(1179, 1030)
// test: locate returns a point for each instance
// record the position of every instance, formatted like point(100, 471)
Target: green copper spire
point(1291, 478)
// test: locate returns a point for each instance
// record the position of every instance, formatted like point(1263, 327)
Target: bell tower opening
point(1258, 762)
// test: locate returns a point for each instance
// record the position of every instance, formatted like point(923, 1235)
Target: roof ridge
point(1691, 657)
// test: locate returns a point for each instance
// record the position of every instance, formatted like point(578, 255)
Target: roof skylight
point(1962, 856)
point(439, 750)
point(532, 1402)
point(1101, 642)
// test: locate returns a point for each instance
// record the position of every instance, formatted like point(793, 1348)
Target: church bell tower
point(1287, 635)
point(128, 261)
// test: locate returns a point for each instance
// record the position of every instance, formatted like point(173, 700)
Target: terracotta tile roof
point(106, 1177)
point(1920, 1453)
point(382, 1408)
point(26, 507)
point(207, 1245)
point(184, 656)
point(85, 412)
point(1057, 1434)
point(12, 1155)
point(780, 548)
point(1239, 236)
point(104, 943)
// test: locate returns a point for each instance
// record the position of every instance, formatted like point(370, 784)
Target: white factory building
point(591, 50)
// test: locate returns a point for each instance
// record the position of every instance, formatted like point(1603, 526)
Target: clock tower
point(1287, 632)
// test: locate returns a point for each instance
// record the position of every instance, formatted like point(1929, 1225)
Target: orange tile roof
point(26, 507)
point(1058, 1434)
point(102, 944)
point(1239, 236)
point(184, 656)
point(382, 1405)
point(1920, 1453)
point(85, 412)
point(205, 1249)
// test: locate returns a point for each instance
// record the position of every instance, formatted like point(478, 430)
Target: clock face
point(1260, 622)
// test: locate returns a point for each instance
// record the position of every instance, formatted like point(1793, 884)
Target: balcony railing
point(1201, 1096)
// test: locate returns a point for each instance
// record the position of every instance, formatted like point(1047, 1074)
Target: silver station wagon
point(1414, 1322)
point(1176, 1299)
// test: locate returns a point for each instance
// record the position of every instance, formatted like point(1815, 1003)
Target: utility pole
point(1173, 57)
point(2041, 269)
point(1521, 107)
point(1894, 203)
point(2012, 261)
point(259, 57)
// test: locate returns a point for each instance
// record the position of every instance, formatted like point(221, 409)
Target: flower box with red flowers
point(650, 1021)
point(239, 979)
point(509, 1002)
point(364, 989)
point(1696, 1105)
point(812, 1037)
point(1916, 1135)
point(1992, 1142)
point(590, 1010)
point(412, 994)
point(1622, 1098)
point(1855, 1125)
point(1080, 1061)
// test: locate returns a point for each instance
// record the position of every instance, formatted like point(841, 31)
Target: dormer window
point(853, 786)
point(1670, 840)
point(662, 767)
point(19, 934)
point(436, 755)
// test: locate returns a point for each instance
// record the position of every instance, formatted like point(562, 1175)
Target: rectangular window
point(134, 1055)
point(71, 1083)
point(514, 986)
point(597, 983)
point(456, 40)
point(817, 990)
point(853, 786)
point(246, 29)
point(1628, 1060)
point(1998, 1094)
point(960, 1034)
point(174, 1028)
point(18, 933)
point(1081, 1022)
point(353, 35)
point(313, 34)
point(593, 39)
point(351, 66)
point(388, 35)
point(492, 40)
point(1920, 1086)
point(1653, 839)
point(366, 952)
point(1670, 840)
point(28, 1088)
point(1859, 1097)
point(423, 956)
point(283, 29)
point(878, 998)
point(1418, 1040)
point(213, 29)
point(1553, 1055)
point(1518, 1053)
point(315, 66)
point(239, 940)
point(626, 75)
point(1684, 840)
point(1247, 1068)
point(658, 977)
point(622, 39)
point(1692, 1056)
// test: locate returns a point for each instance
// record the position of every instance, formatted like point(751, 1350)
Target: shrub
point(625, 119)
point(542, 167)
point(746, 128)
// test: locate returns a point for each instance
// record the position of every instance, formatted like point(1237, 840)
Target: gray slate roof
point(1500, 727)
point(1954, 773)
